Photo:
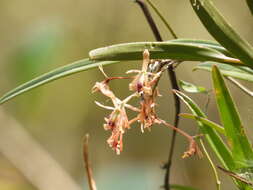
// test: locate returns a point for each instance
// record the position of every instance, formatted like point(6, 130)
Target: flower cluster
point(144, 87)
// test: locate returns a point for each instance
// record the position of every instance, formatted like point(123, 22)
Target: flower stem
point(162, 18)
point(218, 183)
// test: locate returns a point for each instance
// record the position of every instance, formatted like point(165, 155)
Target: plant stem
point(173, 81)
point(239, 85)
point(150, 19)
point(91, 181)
point(162, 18)
point(218, 183)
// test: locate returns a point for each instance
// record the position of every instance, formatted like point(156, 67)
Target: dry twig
point(91, 181)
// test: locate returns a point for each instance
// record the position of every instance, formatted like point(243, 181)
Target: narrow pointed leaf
point(228, 70)
point(235, 133)
point(191, 88)
point(205, 121)
point(205, 43)
point(218, 27)
point(212, 136)
point(250, 5)
point(58, 73)
point(161, 50)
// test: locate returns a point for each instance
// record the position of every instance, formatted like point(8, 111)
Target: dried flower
point(103, 88)
point(117, 121)
point(144, 84)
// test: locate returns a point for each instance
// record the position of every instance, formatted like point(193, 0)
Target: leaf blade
point(241, 148)
point(221, 30)
point(205, 43)
point(206, 121)
point(160, 50)
point(191, 88)
point(227, 70)
point(58, 73)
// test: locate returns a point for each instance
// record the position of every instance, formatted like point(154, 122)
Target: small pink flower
point(117, 122)
point(144, 84)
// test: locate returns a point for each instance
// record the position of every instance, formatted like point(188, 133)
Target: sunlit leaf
point(205, 121)
point(235, 133)
point(242, 73)
point(191, 88)
point(161, 50)
point(218, 27)
point(58, 73)
point(214, 140)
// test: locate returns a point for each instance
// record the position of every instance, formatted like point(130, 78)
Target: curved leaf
point(206, 121)
point(60, 72)
point(228, 70)
point(218, 27)
point(191, 88)
point(161, 50)
point(235, 133)
point(212, 136)
point(205, 43)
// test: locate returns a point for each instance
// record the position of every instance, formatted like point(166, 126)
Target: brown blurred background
point(37, 36)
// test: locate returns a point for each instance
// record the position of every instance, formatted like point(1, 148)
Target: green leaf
point(161, 50)
point(218, 27)
point(58, 73)
point(180, 187)
point(212, 136)
point(235, 133)
point(250, 5)
point(228, 70)
point(205, 43)
point(205, 121)
point(191, 88)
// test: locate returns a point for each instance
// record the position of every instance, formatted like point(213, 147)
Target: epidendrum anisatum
point(231, 58)
point(144, 86)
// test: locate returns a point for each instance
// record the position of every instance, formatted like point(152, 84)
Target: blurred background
point(41, 131)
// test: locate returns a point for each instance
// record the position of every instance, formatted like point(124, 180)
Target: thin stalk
point(91, 181)
point(162, 18)
point(218, 183)
point(207, 102)
point(150, 19)
point(174, 84)
point(239, 85)
point(173, 81)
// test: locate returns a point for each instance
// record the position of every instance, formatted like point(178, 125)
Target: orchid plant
point(144, 85)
